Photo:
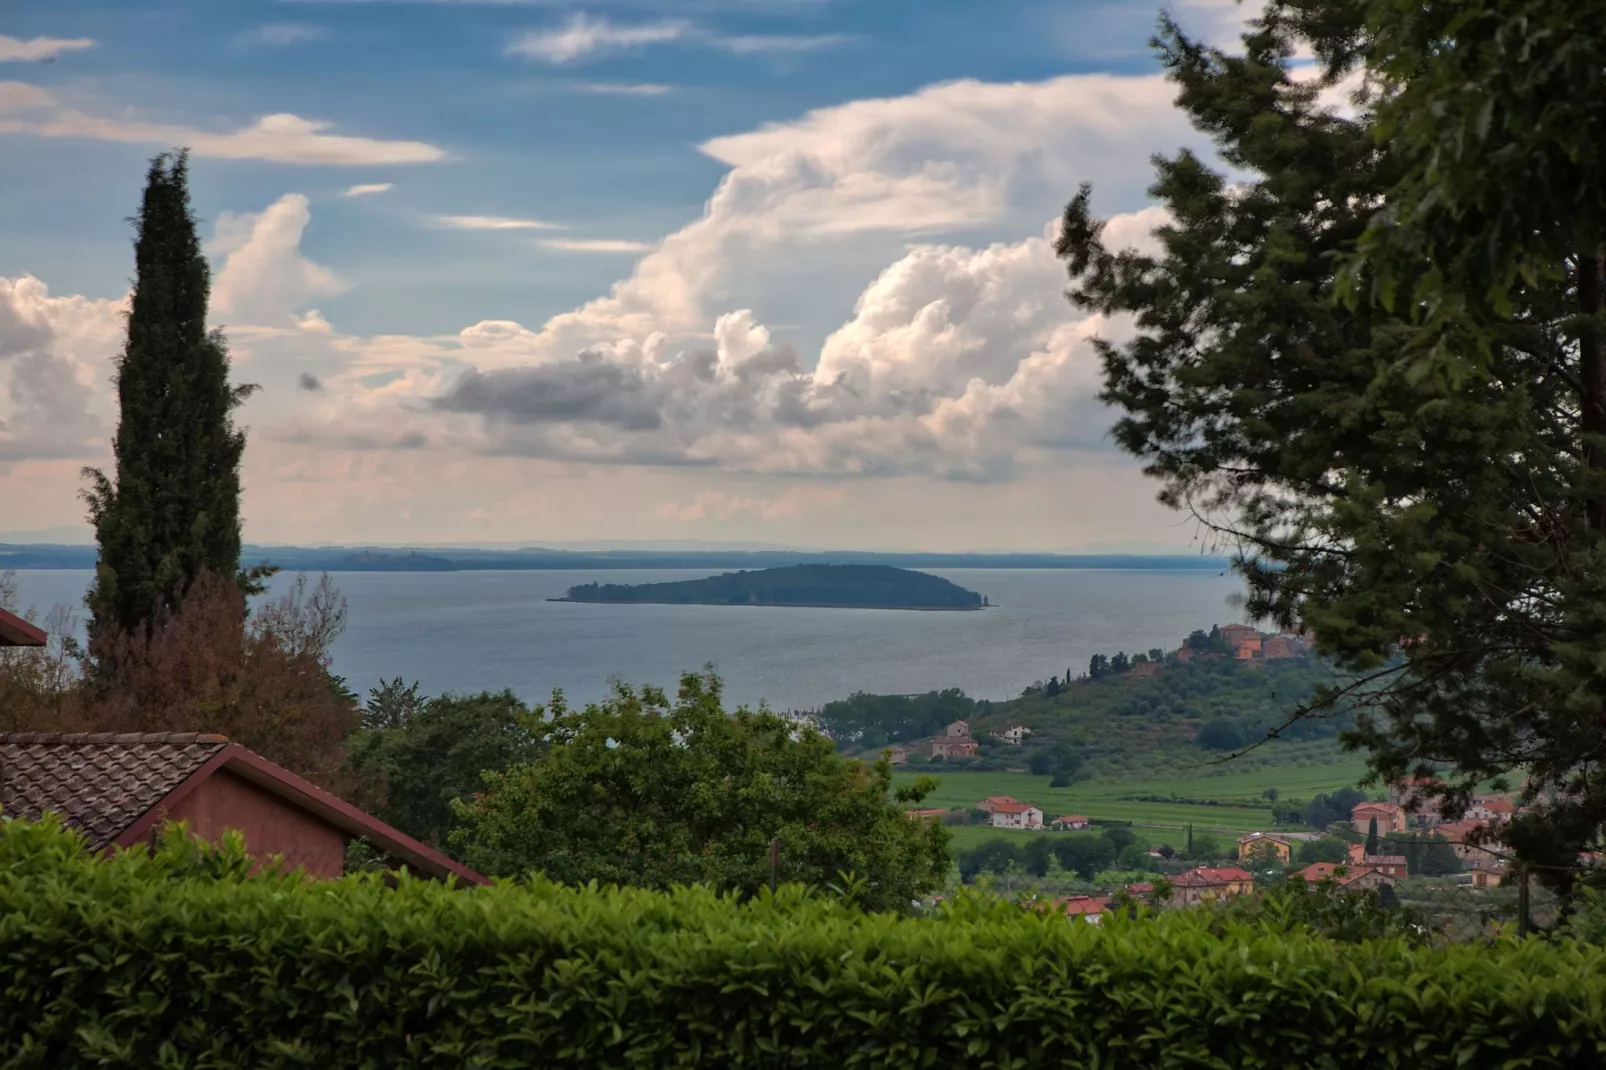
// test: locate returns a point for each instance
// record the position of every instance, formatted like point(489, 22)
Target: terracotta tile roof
point(1319, 871)
point(1012, 807)
point(1210, 877)
point(1068, 818)
point(1083, 904)
point(100, 782)
point(1379, 807)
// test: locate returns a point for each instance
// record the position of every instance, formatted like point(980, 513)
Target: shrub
point(181, 959)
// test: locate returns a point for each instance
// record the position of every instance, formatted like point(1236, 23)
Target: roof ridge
point(78, 739)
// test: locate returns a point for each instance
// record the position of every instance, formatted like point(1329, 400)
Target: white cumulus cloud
point(368, 189)
point(54, 353)
point(265, 279)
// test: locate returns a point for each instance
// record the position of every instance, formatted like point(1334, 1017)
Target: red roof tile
point(1012, 807)
point(110, 784)
point(1083, 904)
point(99, 782)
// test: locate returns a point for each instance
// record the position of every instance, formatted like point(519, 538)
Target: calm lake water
point(468, 631)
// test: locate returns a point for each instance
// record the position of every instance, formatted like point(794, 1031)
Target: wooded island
point(821, 586)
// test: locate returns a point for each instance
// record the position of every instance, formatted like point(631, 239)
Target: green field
point(1111, 800)
point(965, 836)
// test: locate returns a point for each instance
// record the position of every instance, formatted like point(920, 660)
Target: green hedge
point(181, 961)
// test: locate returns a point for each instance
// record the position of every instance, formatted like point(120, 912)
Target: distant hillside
point(534, 558)
point(1181, 720)
point(847, 586)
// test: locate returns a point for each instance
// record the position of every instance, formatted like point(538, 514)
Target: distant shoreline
point(768, 605)
point(34, 556)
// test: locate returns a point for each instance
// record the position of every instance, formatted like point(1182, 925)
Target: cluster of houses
point(1007, 812)
point(1412, 807)
point(1252, 645)
point(957, 741)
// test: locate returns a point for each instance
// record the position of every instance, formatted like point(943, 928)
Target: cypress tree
point(171, 514)
point(1371, 837)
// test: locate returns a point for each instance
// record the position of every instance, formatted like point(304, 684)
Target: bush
point(183, 960)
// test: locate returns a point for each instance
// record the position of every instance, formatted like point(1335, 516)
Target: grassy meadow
point(1240, 804)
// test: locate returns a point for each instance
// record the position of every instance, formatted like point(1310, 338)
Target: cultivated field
point(1239, 801)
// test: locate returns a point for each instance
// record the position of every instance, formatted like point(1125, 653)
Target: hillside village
point(1482, 862)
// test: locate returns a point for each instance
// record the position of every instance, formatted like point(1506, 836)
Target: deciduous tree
point(637, 790)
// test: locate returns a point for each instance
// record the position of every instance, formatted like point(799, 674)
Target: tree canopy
point(1369, 362)
point(425, 753)
point(640, 791)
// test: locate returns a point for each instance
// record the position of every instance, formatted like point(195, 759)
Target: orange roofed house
point(1016, 815)
point(1264, 848)
point(1390, 818)
point(1244, 641)
point(119, 790)
point(1207, 883)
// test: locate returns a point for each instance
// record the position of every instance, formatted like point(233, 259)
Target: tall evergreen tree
point(171, 514)
point(1371, 837)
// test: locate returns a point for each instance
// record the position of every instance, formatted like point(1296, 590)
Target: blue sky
point(611, 270)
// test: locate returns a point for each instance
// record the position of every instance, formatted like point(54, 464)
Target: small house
point(1015, 734)
point(898, 755)
point(1279, 648)
point(1262, 847)
point(1364, 878)
point(1070, 823)
point(957, 730)
point(1317, 872)
point(1089, 908)
point(1389, 817)
point(1495, 809)
point(1210, 883)
point(1415, 795)
point(1017, 816)
point(122, 789)
point(953, 748)
point(1389, 865)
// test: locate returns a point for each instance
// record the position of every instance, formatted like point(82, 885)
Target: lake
point(469, 631)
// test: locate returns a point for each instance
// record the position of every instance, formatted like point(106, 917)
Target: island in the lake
point(819, 586)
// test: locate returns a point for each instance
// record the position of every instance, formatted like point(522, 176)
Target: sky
point(775, 271)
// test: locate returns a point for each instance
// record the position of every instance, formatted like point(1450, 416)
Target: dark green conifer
point(171, 512)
